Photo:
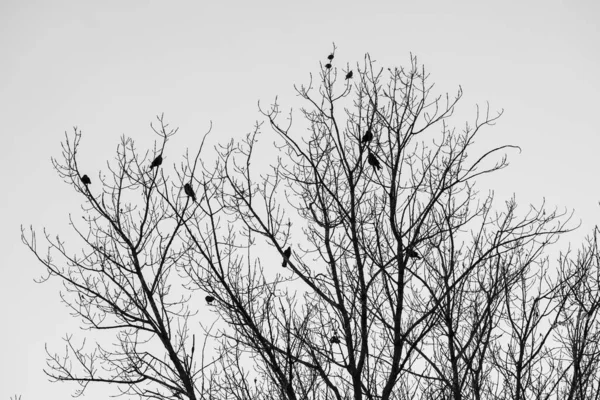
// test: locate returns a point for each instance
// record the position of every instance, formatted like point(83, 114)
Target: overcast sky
point(109, 67)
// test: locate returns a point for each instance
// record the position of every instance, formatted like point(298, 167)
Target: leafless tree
point(122, 280)
point(402, 279)
point(578, 374)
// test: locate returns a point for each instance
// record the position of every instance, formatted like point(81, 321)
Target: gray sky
point(109, 67)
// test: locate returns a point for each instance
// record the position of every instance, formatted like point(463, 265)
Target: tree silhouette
point(473, 314)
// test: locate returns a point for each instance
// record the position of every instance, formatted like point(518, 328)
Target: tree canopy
point(401, 279)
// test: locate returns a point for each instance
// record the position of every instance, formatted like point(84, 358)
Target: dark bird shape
point(328, 66)
point(86, 180)
point(373, 161)
point(349, 75)
point(286, 256)
point(335, 339)
point(209, 299)
point(189, 191)
point(157, 161)
point(330, 57)
point(412, 254)
point(367, 137)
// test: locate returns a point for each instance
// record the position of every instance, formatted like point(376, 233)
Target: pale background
point(109, 67)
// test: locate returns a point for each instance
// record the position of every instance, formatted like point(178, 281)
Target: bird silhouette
point(209, 299)
point(373, 161)
point(286, 256)
point(189, 191)
point(157, 161)
point(349, 75)
point(86, 180)
point(335, 339)
point(412, 254)
point(367, 137)
point(328, 66)
point(330, 57)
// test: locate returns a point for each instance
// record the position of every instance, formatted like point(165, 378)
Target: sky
point(110, 67)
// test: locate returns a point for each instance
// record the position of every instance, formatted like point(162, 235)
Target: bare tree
point(400, 278)
point(579, 372)
point(121, 281)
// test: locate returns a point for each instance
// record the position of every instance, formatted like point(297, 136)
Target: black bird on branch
point(86, 180)
point(330, 57)
point(367, 137)
point(189, 191)
point(286, 256)
point(412, 253)
point(335, 339)
point(157, 161)
point(209, 299)
point(349, 75)
point(373, 161)
point(328, 66)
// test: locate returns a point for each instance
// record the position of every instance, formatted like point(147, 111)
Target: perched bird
point(330, 57)
point(412, 254)
point(209, 299)
point(157, 162)
point(349, 75)
point(367, 137)
point(189, 191)
point(328, 66)
point(286, 256)
point(373, 161)
point(86, 180)
point(335, 339)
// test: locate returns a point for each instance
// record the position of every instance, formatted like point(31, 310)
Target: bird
point(330, 57)
point(189, 191)
point(373, 161)
point(328, 66)
point(412, 253)
point(209, 299)
point(367, 137)
point(286, 256)
point(86, 180)
point(349, 75)
point(335, 339)
point(157, 161)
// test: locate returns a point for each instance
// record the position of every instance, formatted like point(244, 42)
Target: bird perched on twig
point(157, 162)
point(86, 180)
point(189, 191)
point(328, 66)
point(412, 253)
point(373, 161)
point(335, 339)
point(286, 256)
point(330, 57)
point(349, 75)
point(367, 137)
point(209, 299)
